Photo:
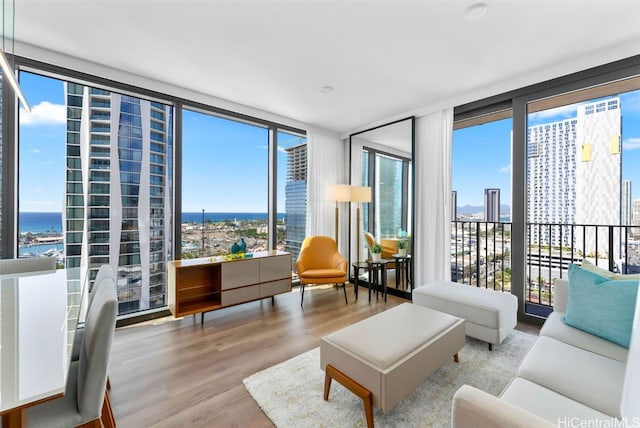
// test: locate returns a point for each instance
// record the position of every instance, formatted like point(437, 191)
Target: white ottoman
point(384, 357)
point(490, 315)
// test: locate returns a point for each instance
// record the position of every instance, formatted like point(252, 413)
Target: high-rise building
point(118, 203)
point(626, 207)
point(492, 205)
point(296, 199)
point(635, 219)
point(388, 205)
point(574, 174)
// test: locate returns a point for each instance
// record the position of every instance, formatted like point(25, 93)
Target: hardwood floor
point(177, 373)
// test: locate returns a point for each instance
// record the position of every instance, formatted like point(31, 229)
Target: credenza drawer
point(275, 287)
point(240, 272)
point(275, 268)
point(240, 295)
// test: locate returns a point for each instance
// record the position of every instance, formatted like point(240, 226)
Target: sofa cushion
point(591, 379)
point(586, 264)
point(601, 306)
point(630, 406)
point(555, 328)
point(550, 405)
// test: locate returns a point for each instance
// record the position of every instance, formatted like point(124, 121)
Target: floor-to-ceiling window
point(388, 215)
point(582, 164)
point(226, 193)
point(569, 155)
point(224, 185)
point(481, 201)
point(95, 184)
point(95, 173)
point(292, 192)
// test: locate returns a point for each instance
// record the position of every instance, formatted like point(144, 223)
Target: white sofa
point(569, 378)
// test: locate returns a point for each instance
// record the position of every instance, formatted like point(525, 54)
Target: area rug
point(290, 393)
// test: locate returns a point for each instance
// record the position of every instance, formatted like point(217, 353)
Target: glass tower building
point(296, 199)
point(118, 202)
point(574, 174)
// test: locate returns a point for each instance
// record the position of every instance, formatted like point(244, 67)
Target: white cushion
point(475, 408)
point(630, 406)
point(588, 378)
point(402, 329)
point(488, 308)
point(550, 405)
point(555, 328)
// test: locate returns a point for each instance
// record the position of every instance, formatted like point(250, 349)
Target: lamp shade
point(339, 193)
point(360, 194)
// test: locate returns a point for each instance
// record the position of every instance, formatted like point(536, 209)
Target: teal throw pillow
point(601, 306)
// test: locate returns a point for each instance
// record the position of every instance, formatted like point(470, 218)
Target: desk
point(38, 316)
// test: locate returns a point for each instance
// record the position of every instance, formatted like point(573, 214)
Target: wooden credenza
point(202, 285)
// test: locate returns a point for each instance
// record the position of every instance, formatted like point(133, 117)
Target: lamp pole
point(202, 246)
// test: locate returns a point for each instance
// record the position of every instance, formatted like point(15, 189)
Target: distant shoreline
point(51, 222)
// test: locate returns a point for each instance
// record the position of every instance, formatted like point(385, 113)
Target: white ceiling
point(384, 59)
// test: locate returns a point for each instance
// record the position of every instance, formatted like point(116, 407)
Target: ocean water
point(39, 222)
point(52, 222)
point(215, 217)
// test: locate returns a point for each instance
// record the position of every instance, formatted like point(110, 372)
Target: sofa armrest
point(475, 408)
point(560, 295)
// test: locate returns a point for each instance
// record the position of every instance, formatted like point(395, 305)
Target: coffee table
point(381, 360)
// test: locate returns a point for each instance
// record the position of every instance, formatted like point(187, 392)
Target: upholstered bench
point(490, 315)
point(384, 357)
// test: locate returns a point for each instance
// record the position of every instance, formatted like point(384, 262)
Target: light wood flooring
point(178, 373)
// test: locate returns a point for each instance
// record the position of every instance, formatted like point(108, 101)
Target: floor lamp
point(339, 193)
point(359, 194)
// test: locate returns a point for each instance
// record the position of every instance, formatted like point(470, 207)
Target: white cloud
point(557, 113)
point(280, 148)
point(36, 151)
point(505, 169)
point(44, 113)
point(630, 102)
point(631, 144)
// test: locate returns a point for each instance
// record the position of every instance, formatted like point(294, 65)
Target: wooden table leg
point(353, 386)
point(15, 419)
point(107, 418)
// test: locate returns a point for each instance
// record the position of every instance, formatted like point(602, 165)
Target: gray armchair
point(105, 271)
point(86, 401)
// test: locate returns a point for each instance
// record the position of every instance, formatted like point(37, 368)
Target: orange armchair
point(387, 250)
point(320, 262)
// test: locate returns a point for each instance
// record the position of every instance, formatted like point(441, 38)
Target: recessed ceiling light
point(476, 11)
point(326, 89)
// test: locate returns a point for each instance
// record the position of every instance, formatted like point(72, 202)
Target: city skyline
point(481, 157)
point(481, 154)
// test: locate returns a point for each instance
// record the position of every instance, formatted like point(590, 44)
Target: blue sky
point(225, 161)
point(482, 154)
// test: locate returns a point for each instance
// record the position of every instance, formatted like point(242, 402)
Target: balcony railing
point(481, 255)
